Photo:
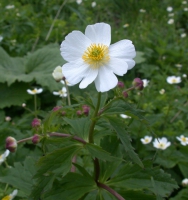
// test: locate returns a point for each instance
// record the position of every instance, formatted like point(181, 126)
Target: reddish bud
point(56, 108)
point(86, 109)
point(36, 139)
point(36, 123)
point(63, 113)
point(125, 94)
point(79, 112)
point(120, 84)
point(138, 84)
point(11, 144)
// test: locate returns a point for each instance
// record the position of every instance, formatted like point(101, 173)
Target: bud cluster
point(85, 110)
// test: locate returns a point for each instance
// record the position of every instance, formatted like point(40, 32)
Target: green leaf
point(182, 195)
point(139, 57)
point(99, 153)
point(131, 177)
point(21, 176)
point(155, 190)
point(122, 134)
point(72, 187)
point(13, 95)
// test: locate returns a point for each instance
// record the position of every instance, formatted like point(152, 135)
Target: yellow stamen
point(6, 198)
point(174, 80)
point(161, 145)
point(184, 139)
point(96, 55)
point(34, 91)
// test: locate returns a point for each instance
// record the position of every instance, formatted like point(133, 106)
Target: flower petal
point(30, 92)
point(99, 33)
point(105, 80)
point(74, 45)
point(89, 78)
point(39, 90)
point(75, 71)
point(55, 93)
point(122, 49)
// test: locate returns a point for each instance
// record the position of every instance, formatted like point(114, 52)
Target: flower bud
point(125, 94)
point(86, 109)
point(56, 108)
point(36, 139)
point(57, 73)
point(11, 144)
point(120, 84)
point(63, 113)
point(138, 84)
point(7, 119)
point(79, 112)
point(23, 105)
point(36, 123)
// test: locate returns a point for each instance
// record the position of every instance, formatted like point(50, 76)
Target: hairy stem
point(24, 140)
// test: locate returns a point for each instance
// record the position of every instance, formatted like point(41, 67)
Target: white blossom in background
point(185, 9)
point(142, 10)
point(162, 91)
point(57, 73)
point(173, 79)
point(178, 65)
point(3, 156)
point(61, 93)
point(170, 21)
point(169, 9)
point(23, 105)
point(125, 25)
point(146, 140)
point(8, 7)
point(161, 143)
point(8, 119)
point(78, 1)
point(184, 2)
point(145, 82)
point(91, 58)
point(1, 38)
point(11, 196)
point(93, 4)
point(171, 14)
point(124, 116)
point(35, 91)
point(184, 75)
point(183, 140)
point(184, 182)
point(183, 35)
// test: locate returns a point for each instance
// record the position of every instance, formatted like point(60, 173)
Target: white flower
point(183, 35)
point(173, 79)
point(184, 2)
point(78, 1)
point(146, 140)
point(183, 140)
point(145, 82)
point(161, 143)
point(178, 65)
point(63, 82)
point(93, 4)
point(7, 119)
point(125, 25)
point(23, 105)
point(171, 14)
point(185, 182)
point(11, 196)
point(124, 116)
point(170, 21)
point(142, 10)
point(1, 38)
point(185, 9)
point(184, 75)
point(10, 7)
point(169, 9)
point(3, 156)
point(57, 73)
point(162, 91)
point(91, 57)
point(61, 93)
point(35, 91)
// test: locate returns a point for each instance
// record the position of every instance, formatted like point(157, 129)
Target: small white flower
point(178, 65)
point(78, 1)
point(184, 182)
point(10, 196)
point(93, 4)
point(146, 140)
point(183, 140)
point(10, 7)
point(142, 10)
point(162, 91)
point(3, 156)
point(145, 82)
point(35, 91)
point(183, 35)
point(185, 9)
point(171, 14)
point(23, 105)
point(124, 116)
point(91, 58)
point(184, 75)
point(57, 73)
point(61, 93)
point(18, 14)
point(184, 2)
point(173, 79)
point(169, 9)
point(1, 38)
point(7, 119)
point(170, 21)
point(161, 143)
point(125, 25)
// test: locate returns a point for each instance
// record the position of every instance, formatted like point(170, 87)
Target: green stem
point(35, 105)
point(91, 140)
point(68, 93)
point(6, 187)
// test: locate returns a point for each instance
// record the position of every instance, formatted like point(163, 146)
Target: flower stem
point(35, 105)
point(91, 140)
point(24, 140)
point(68, 93)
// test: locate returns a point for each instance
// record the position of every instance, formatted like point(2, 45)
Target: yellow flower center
point(61, 92)
point(174, 80)
point(184, 139)
point(161, 145)
point(34, 91)
point(96, 55)
point(8, 197)
point(147, 140)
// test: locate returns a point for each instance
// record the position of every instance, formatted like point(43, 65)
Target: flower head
point(145, 82)
point(184, 182)
point(7, 119)
point(91, 57)
point(10, 196)
point(35, 91)
point(124, 116)
point(185, 9)
point(78, 1)
point(142, 10)
point(36, 123)
point(169, 9)
point(57, 73)
point(162, 91)
point(146, 139)
point(184, 2)
point(138, 83)
point(11, 144)
point(183, 140)
point(173, 79)
point(61, 93)
point(178, 65)
point(93, 4)
point(3, 156)
point(170, 21)
point(183, 35)
point(161, 143)
point(10, 7)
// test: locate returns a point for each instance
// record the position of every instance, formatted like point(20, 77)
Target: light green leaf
point(182, 195)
